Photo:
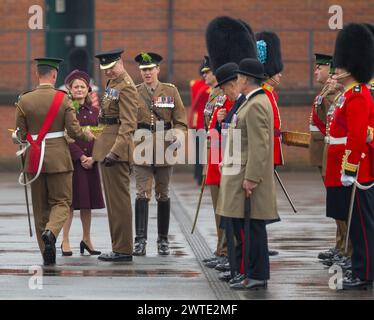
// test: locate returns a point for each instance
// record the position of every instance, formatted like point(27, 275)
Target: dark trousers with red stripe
point(248, 246)
point(362, 235)
point(258, 252)
point(234, 229)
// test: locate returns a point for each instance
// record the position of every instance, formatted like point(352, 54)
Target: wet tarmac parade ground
point(296, 272)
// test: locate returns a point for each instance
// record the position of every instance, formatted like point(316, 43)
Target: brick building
point(175, 29)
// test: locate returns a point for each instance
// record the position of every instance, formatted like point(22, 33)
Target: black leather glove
point(110, 159)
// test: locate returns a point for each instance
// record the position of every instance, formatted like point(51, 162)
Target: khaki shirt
point(168, 107)
point(121, 103)
point(31, 110)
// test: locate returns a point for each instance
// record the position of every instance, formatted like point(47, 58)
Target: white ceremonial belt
point(332, 140)
point(50, 135)
point(313, 128)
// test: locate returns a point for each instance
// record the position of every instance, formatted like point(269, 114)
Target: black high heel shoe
point(91, 252)
point(66, 253)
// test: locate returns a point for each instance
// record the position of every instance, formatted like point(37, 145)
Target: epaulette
point(127, 80)
point(192, 82)
point(22, 94)
point(169, 84)
point(356, 89)
point(138, 85)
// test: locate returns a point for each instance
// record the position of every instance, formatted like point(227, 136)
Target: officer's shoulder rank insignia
point(357, 89)
point(170, 85)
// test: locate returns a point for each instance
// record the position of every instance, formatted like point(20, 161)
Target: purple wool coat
point(87, 193)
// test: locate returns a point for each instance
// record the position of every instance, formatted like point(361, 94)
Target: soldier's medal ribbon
point(341, 101)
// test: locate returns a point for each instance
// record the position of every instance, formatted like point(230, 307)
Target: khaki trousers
point(144, 176)
point(51, 200)
point(221, 247)
point(341, 233)
point(116, 181)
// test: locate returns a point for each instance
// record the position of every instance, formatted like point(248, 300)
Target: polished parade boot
point(49, 253)
point(328, 255)
point(141, 226)
point(163, 218)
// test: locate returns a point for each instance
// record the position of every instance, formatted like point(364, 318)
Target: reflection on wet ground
point(57, 272)
point(295, 272)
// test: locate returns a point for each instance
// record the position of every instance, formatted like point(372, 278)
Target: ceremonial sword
point(350, 212)
point(16, 140)
point(26, 194)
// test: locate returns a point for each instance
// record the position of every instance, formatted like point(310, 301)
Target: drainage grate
point(201, 250)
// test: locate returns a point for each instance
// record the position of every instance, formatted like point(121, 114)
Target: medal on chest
point(318, 101)
point(164, 102)
point(340, 102)
point(208, 108)
point(220, 101)
point(111, 94)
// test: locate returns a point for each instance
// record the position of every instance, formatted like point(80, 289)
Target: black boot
point(49, 253)
point(163, 218)
point(141, 226)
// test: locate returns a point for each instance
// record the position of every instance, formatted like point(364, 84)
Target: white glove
point(347, 181)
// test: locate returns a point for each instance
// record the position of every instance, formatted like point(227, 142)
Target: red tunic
point(352, 117)
point(199, 97)
point(273, 97)
point(213, 175)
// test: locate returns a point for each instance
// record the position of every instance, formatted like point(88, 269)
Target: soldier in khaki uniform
point(51, 188)
point(114, 149)
point(159, 104)
point(321, 105)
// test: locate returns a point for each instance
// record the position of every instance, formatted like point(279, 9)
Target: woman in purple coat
point(87, 192)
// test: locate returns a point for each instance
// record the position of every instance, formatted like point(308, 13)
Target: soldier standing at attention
point(216, 109)
point(318, 148)
point(42, 115)
point(158, 102)
point(270, 55)
point(349, 158)
point(114, 149)
point(321, 105)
